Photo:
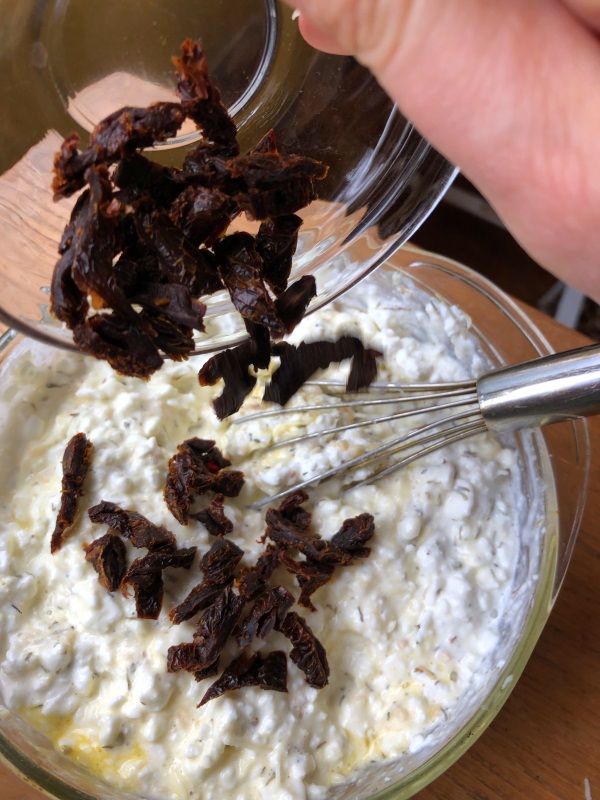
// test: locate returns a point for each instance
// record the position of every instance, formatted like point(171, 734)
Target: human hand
point(505, 89)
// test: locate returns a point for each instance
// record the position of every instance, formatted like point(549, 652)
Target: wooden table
point(545, 742)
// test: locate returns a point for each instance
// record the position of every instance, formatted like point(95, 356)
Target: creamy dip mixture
point(407, 631)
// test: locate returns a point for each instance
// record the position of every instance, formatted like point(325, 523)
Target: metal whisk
point(550, 389)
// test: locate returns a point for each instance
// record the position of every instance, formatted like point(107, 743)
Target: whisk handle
point(548, 389)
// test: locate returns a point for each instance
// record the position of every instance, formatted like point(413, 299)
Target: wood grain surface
point(545, 743)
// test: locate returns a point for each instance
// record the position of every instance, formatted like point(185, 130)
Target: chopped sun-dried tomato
point(268, 610)
point(216, 625)
point(220, 562)
point(155, 237)
point(108, 556)
point(133, 526)
point(196, 468)
point(213, 517)
point(251, 669)
point(232, 367)
point(310, 575)
point(200, 597)
point(252, 580)
point(276, 243)
point(145, 575)
point(307, 651)
point(75, 466)
point(299, 363)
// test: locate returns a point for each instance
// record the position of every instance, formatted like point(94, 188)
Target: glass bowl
point(66, 64)
point(555, 476)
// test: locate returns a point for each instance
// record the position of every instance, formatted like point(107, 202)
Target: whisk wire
point(467, 391)
point(415, 438)
point(554, 388)
point(367, 422)
point(440, 440)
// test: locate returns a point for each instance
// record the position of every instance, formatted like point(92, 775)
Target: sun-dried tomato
point(145, 575)
point(354, 534)
point(261, 204)
point(220, 562)
point(89, 245)
point(268, 610)
point(348, 544)
point(75, 465)
point(182, 656)
point(137, 268)
point(291, 509)
point(264, 170)
point(186, 656)
point(133, 526)
point(285, 533)
point(202, 673)
point(200, 597)
point(291, 305)
point(213, 517)
point(114, 137)
point(299, 363)
point(70, 165)
point(124, 345)
point(232, 367)
point(208, 165)
point(216, 625)
point(146, 225)
point(95, 246)
point(171, 338)
point(131, 128)
point(252, 580)
point(148, 590)
point(108, 556)
point(307, 651)
point(173, 301)
point(180, 260)
point(198, 467)
point(203, 214)
point(311, 576)
point(240, 268)
point(200, 98)
point(276, 243)
point(68, 302)
point(143, 177)
point(260, 344)
point(276, 184)
point(251, 669)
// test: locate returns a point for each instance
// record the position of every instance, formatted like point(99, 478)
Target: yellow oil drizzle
point(81, 745)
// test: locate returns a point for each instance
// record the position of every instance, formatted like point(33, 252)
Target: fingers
point(320, 39)
point(357, 27)
point(329, 26)
point(587, 10)
point(505, 89)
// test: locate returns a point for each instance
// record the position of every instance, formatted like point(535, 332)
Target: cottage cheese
point(410, 633)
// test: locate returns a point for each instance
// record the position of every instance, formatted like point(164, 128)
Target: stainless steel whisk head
point(539, 392)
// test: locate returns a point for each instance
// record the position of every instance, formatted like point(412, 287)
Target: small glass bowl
point(68, 63)
point(556, 468)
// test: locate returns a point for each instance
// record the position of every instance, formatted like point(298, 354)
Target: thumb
point(362, 28)
point(587, 10)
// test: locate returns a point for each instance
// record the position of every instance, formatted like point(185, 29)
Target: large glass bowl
point(66, 64)
point(555, 475)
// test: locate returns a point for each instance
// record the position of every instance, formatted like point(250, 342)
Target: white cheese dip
point(408, 632)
